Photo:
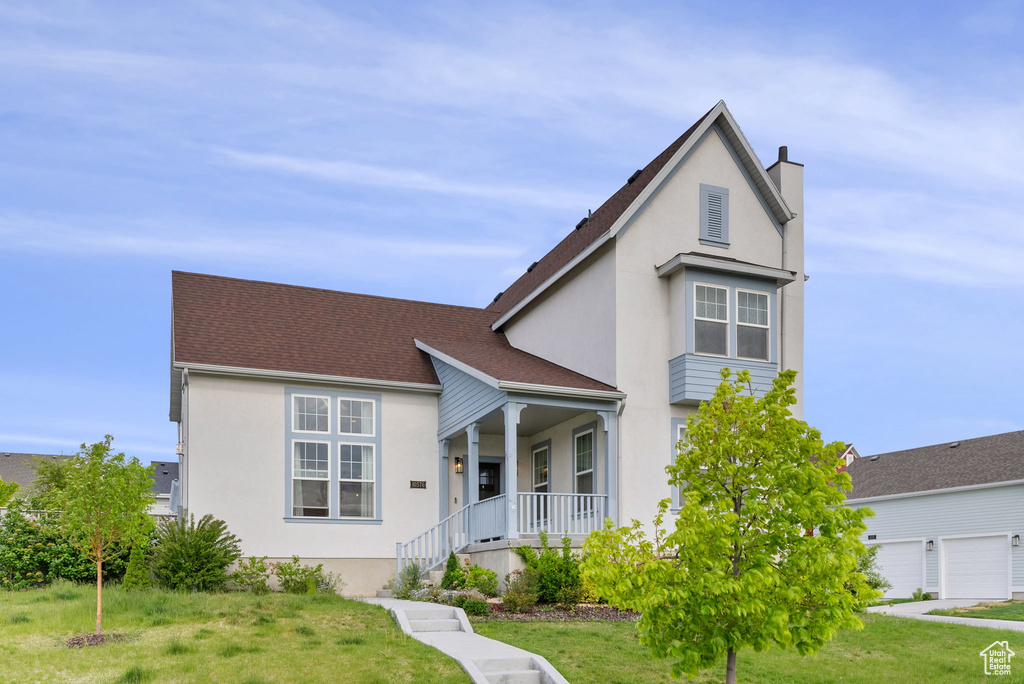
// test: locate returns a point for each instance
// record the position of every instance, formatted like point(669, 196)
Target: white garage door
point(976, 567)
point(902, 563)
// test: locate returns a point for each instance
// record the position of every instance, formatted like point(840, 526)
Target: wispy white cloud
point(354, 173)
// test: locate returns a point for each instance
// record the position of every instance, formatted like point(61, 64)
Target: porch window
point(355, 481)
point(309, 479)
point(583, 453)
point(540, 470)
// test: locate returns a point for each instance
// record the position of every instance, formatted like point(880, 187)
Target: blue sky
point(434, 150)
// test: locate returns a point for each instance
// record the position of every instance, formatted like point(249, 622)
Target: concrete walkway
point(486, 661)
point(917, 610)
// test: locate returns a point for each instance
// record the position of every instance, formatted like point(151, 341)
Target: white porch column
point(442, 481)
point(473, 467)
point(610, 425)
point(512, 411)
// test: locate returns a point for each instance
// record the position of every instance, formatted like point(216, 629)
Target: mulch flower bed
point(582, 613)
point(95, 640)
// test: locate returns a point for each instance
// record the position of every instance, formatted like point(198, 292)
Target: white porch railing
point(558, 514)
point(471, 523)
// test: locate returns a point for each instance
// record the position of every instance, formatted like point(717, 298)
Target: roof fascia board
point(927, 492)
point(213, 369)
point(681, 261)
point(576, 261)
point(530, 388)
point(754, 166)
point(458, 365)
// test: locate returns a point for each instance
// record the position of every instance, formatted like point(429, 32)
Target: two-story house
point(358, 431)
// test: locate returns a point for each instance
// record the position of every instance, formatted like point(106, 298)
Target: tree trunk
point(99, 596)
point(730, 667)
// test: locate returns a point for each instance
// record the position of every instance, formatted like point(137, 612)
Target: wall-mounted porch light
point(1015, 540)
point(458, 465)
point(929, 545)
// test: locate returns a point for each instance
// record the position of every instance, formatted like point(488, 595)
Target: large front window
point(334, 473)
point(711, 320)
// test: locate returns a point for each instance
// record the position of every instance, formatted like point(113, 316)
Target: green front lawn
point(1006, 610)
point(886, 650)
point(237, 638)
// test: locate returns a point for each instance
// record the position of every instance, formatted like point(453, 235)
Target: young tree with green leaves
point(103, 505)
point(7, 491)
point(762, 552)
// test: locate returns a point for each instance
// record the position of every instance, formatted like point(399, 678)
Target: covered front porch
point(528, 463)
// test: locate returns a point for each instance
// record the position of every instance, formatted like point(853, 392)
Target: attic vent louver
point(582, 222)
point(497, 296)
point(874, 458)
point(531, 266)
point(954, 445)
point(634, 177)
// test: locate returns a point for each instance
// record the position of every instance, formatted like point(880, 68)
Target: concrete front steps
point(485, 660)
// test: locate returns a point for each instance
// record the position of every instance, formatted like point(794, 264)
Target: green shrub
point(296, 578)
point(520, 591)
point(921, 595)
point(471, 601)
point(483, 580)
point(252, 575)
point(136, 576)
point(194, 556)
point(555, 570)
point(454, 577)
point(408, 581)
point(34, 553)
point(570, 597)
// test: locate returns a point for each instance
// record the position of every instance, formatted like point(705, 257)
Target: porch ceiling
point(532, 420)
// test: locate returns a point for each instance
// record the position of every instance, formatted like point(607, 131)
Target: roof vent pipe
point(874, 458)
point(634, 177)
point(582, 222)
point(784, 153)
point(497, 296)
point(531, 267)
point(954, 445)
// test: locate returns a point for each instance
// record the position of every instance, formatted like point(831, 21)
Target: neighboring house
point(165, 487)
point(849, 455)
point(21, 468)
point(355, 430)
point(948, 517)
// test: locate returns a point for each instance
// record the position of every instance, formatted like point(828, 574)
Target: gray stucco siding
point(932, 516)
point(463, 398)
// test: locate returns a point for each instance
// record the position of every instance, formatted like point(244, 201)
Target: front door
point(490, 480)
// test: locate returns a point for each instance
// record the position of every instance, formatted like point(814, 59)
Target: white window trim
point(727, 322)
point(326, 480)
point(752, 325)
point(372, 481)
point(533, 469)
point(575, 456)
point(373, 413)
point(295, 416)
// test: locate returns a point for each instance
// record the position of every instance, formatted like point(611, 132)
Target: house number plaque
point(417, 484)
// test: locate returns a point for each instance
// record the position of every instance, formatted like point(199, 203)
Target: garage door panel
point(976, 567)
point(902, 563)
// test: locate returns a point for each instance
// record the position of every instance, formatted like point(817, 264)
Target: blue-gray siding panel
point(463, 398)
point(693, 378)
point(978, 511)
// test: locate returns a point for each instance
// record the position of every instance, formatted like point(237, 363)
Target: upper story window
point(714, 215)
point(711, 320)
point(752, 325)
point(309, 414)
point(333, 478)
point(355, 417)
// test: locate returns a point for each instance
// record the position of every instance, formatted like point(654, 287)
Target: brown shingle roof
point(269, 326)
point(984, 460)
point(578, 240)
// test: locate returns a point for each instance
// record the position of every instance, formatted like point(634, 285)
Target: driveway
point(917, 610)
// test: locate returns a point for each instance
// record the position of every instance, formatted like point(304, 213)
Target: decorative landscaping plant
point(194, 556)
point(296, 578)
